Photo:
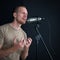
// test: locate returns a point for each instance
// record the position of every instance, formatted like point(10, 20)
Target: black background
point(49, 28)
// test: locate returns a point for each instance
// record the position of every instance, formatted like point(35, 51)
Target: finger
point(27, 43)
point(21, 42)
point(29, 40)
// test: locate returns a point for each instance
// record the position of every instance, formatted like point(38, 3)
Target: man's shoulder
point(3, 27)
point(24, 32)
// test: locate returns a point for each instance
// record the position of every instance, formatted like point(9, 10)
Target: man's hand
point(26, 49)
point(18, 45)
point(28, 42)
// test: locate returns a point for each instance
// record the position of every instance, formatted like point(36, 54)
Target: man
point(14, 43)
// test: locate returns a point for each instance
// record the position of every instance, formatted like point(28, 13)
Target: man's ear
point(14, 14)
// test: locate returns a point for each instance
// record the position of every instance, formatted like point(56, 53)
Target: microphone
point(30, 20)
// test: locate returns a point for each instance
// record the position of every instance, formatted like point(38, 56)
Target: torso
point(9, 34)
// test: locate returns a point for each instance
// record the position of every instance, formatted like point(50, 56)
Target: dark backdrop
point(48, 28)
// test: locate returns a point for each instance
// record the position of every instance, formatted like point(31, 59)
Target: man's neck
point(15, 25)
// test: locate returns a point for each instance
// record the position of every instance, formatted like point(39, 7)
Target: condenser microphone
point(30, 20)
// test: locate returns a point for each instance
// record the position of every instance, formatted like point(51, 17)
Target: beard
point(21, 21)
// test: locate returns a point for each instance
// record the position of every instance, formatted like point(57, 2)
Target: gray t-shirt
point(7, 34)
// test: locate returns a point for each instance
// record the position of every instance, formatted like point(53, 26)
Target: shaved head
point(20, 14)
point(17, 8)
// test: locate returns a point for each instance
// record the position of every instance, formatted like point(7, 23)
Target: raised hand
point(28, 42)
point(26, 48)
point(19, 44)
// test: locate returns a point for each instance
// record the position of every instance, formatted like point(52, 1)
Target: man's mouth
point(24, 19)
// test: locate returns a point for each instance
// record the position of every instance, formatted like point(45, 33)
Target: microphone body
point(30, 20)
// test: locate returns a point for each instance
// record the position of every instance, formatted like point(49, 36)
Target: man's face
point(21, 15)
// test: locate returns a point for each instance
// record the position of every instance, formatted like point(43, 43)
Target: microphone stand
point(40, 37)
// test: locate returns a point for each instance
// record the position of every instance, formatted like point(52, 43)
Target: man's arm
point(6, 52)
point(24, 53)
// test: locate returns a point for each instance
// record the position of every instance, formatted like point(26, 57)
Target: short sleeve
point(25, 35)
point(1, 37)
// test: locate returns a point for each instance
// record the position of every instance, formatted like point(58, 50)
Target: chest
point(10, 35)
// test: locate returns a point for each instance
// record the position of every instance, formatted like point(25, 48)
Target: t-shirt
point(7, 34)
